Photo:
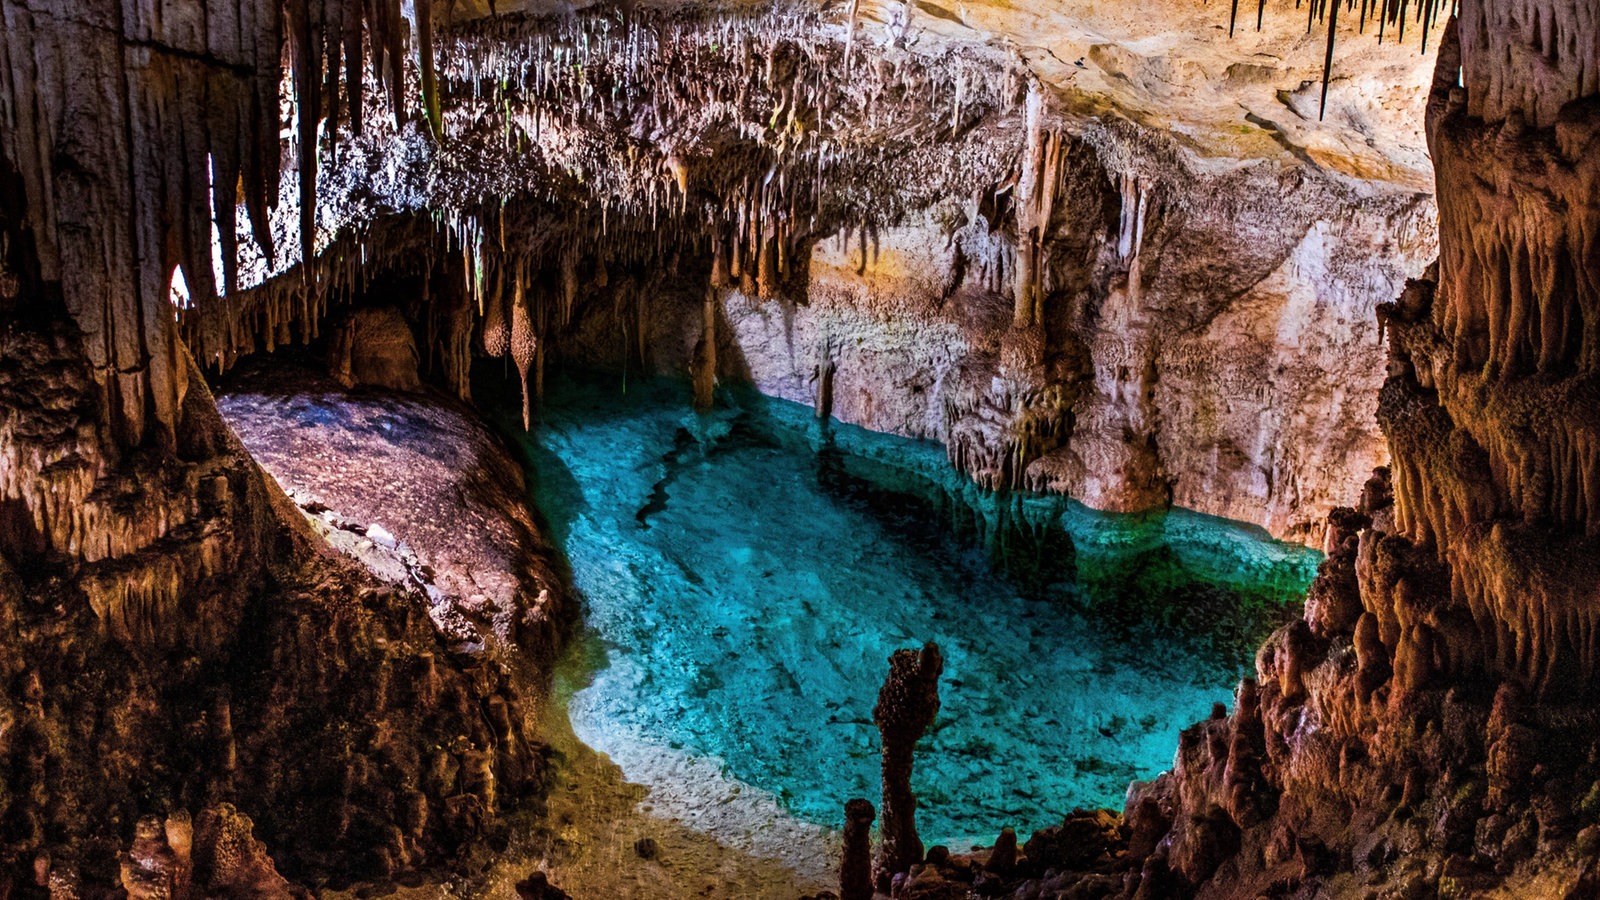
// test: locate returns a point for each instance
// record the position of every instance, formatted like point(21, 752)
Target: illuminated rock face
point(1144, 384)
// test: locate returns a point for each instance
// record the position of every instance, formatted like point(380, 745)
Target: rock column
point(906, 707)
point(855, 870)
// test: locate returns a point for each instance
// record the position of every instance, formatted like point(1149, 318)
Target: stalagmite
point(907, 705)
point(855, 867)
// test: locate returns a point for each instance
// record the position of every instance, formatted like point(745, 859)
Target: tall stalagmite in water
point(907, 705)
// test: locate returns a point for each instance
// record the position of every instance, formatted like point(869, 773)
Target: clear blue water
point(746, 575)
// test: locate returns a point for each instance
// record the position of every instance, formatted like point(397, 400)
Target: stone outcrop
point(374, 346)
point(422, 493)
point(213, 855)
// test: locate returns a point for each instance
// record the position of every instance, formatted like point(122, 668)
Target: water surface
point(747, 573)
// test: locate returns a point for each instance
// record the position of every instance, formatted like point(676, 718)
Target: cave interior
point(680, 448)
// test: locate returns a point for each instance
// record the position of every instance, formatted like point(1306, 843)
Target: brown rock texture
point(374, 346)
point(215, 854)
point(907, 705)
point(414, 486)
point(184, 642)
point(855, 865)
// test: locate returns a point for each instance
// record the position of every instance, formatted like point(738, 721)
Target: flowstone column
point(906, 707)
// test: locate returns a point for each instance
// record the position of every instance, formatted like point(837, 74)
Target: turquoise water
point(747, 573)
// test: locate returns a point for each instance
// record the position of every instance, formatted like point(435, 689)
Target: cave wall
point(1149, 389)
point(1142, 384)
point(1128, 269)
point(1428, 728)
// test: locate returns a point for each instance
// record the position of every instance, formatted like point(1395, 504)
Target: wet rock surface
point(414, 486)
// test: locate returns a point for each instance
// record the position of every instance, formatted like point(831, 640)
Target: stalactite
point(1327, 63)
point(1328, 10)
point(496, 324)
point(524, 344)
point(569, 282)
point(705, 355)
point(431, 103)
point(1036, 192)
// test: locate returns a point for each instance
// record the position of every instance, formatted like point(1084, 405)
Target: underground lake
point(746, 573)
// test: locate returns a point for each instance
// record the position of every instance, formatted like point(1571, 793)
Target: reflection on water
point(747, 574)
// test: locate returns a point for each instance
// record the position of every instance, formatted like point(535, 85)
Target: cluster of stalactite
point(1490, 404)
point(1529, 58)
point(583, 157)
point(994, 434)
point(754, 134)
point(175, 121)
point(1506, 341)
point(577, 159)
point(1519, 296)
point(1386, 17)
point(1494, 464)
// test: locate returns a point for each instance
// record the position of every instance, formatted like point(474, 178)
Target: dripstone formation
point(855, 865)
point(918, 234)
point(907, 705)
